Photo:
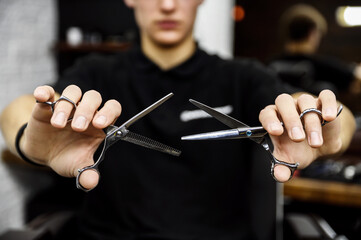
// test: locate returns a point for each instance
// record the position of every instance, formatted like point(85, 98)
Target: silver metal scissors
point(241, 130)
point(114, 134)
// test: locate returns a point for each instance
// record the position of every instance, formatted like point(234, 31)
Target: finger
point(63, 109)
point(86, 110)
point(327, 100)
point(312, 122)
point(270, 121)
point(89, 179)
point(43, 94)
point(107, 114)
point(287, 109)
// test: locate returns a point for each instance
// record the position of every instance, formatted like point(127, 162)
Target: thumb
point(87, 179)
point(281, 173)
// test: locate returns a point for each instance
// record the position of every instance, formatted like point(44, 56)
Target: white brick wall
point(27, 32)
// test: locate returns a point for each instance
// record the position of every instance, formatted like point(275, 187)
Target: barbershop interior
point(307, 46)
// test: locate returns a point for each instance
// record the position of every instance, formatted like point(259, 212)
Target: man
point(144, 194)
point(303, 27)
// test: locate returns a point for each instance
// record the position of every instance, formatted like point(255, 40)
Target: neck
point(167, 57)
point(300, 48)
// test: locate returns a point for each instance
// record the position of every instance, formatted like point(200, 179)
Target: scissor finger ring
point(315, 110)
point(62, 98)
point(291, 166)
point(312, 110)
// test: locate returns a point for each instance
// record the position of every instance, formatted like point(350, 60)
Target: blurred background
point(40, 39)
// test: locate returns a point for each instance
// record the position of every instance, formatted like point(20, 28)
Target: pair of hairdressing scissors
point(241, 130)
point(115, 133)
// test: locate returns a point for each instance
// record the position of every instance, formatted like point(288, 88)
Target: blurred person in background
point(302, 28)
point(212, 190)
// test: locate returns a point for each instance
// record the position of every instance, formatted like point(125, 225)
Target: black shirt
point(215, 189)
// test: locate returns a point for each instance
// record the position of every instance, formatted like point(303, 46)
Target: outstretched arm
point(16, 114)
point(304, 141)
point(50, 140)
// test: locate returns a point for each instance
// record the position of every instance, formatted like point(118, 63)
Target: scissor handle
point(291, 166)
point(61, 98)
point(93, 167)
point(315, 110)
point(80, 171)
point(274, 161)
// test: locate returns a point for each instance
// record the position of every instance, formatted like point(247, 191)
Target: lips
point(167, 24)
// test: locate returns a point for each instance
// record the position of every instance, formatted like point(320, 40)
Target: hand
point(301, 141)
point(50, 139)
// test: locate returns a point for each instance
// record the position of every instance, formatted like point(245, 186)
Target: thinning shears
point(240, 130)
point(115, 133)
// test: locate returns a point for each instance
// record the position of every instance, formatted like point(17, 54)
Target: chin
point(168, 40)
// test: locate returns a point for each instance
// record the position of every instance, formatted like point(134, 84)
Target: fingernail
point(315, 138)
point(101, 120)
point(275, 126)
point(297, 133)
point(80, 122)
point(59, 118)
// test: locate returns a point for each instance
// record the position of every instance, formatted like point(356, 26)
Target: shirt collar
point(191, 66)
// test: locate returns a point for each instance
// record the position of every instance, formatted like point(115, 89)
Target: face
point(165, 22)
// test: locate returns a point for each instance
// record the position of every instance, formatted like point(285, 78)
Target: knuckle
point(45, 88)
point(266, 110)
point(267, 113)
point(283, 97)
point(115, 103)
point(115, 106)
point(93, 94)
point(313, 127)
point(327, 95)
point(326, 92)
point(305, 97)
point(74, 88)
point(261, 114)
point(312, 121)
point(335, 146)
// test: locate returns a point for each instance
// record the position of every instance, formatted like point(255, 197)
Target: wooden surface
point(320, 191)
point(88, 47)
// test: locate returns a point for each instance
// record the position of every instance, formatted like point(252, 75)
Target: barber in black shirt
point(144, 194)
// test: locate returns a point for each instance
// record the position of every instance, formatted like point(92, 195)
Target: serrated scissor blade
point(150, 143)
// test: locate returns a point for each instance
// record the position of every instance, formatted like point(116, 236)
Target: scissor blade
point(253, 133)
point(225, 119)
point(150, 143)
point(146, 111)
point(216, 135)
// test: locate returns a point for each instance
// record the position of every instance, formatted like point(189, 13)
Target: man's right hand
point(66, 146)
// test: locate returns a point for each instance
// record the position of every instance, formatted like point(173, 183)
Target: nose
point(168, 5)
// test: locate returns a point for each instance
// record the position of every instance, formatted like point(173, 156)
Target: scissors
point(115, 133)
point(241, 130)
